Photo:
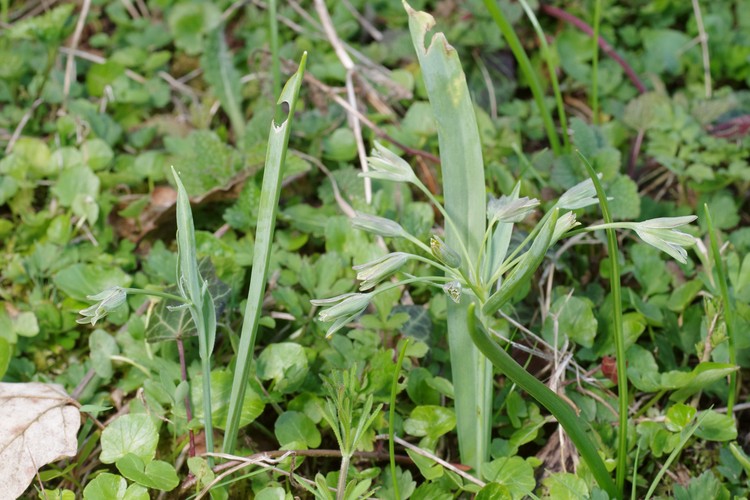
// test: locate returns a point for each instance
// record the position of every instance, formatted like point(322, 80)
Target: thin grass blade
point(220, 73)
point(727, 306)
point(619, 334)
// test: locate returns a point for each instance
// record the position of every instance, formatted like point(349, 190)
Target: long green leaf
point(220, 73)
point(275, 156)
point(463, 185)
point(201, 305)
point(574, 426)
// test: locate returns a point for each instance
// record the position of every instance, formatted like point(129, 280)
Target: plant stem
point(595, 63)
point(156, 293)
point(392, 416)
point(343, 473)
point(528, 71)
point(728, 309)
point(551, 401)
point(188, 403)
point(619, 335)
point(207, 414)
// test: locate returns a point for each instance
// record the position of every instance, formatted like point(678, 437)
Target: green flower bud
point(387, 165)
point(107, 301)
point(373, 272)
point(565, 223)
point(660, 233)
point(506, 209)
point(444, 253)
point(377, 225)
point(581, 195)
point(344, 308)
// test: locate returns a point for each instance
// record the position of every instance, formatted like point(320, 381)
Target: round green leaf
point(295, 430)
point(431, 421)
point(221, 391)
point(133, 433)
point(285, 363)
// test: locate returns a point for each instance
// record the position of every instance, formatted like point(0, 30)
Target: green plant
point(349, 419)
point(475, 270)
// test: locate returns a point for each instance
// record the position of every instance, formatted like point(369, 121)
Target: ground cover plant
point(373, 249)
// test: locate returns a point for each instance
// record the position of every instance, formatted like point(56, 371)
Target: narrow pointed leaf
point(275, 156)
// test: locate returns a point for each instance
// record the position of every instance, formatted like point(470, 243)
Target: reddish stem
point(188, 408)
point(606, 47)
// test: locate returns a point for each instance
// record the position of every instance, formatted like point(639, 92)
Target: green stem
point(207, 413)
point(528, 71)
point(392, 416)
point(343, 473)
point(156, 293)
point(619, 335)
point(595, 63)
point(564, 414)
point(728, 309)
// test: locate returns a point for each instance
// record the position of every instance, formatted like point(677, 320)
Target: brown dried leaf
point(38, 425)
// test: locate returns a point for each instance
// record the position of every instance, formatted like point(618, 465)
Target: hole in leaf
point(281, 113)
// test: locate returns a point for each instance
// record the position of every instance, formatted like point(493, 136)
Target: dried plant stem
point(346, 61)
point(70, 63)
point(703, 38)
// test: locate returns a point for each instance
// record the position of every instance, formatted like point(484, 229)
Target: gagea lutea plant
point(473, 265)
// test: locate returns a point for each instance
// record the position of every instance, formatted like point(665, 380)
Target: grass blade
point(728, 309)
point(220, 73)
point(527, 69)
point(278, 141)
point(620, 359)
point(686, 435)
point(551, 69)
point(465, 204)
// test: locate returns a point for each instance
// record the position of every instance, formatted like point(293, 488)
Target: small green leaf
point(132, 433)
point(221, 388)
point(494, 491)
point(285, 363)
point(26, 325)
point(430, 421)
point(102, 347)
point(566, 486)
point(108, 486)
point(295, 430)
point(74, 182)
point(200, 469)
point(514, 472)
point(574, 318)
point(156, 474)
point(679, 416)
point(717, 427)
point(220, 73)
